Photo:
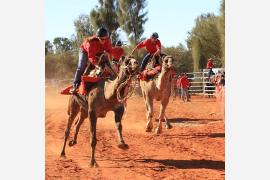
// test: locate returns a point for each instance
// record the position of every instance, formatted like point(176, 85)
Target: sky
point(171, 19)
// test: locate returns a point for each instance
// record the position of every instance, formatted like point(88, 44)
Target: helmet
point(118, 43)
point(102, 32)
point(154, 35)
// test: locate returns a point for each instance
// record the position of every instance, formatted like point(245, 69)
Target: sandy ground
point(192, 149)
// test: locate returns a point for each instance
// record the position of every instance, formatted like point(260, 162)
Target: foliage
point(60, 65)
point(207, 39)
point(183, 60)
point(62, 45)
point(48, 47)
point(132, 17)
point(105, 15)
point(83, 28)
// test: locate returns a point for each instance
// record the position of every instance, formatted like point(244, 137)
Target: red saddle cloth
point(146, 74)
point(81, 89)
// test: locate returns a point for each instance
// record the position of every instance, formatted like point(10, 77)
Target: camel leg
point(118, 113)
point(149, 114)
point(93, 142)
point(78, 125)
point(74, 109)
point(125, 109)
point(167, 123)
point(163, 106)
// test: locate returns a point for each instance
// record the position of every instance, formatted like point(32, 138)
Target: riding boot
point(73, 90)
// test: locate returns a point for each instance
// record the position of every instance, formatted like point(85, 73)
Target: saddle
point(91, 76)
point(152, 69)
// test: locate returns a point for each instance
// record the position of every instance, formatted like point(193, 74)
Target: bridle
point(123, 84)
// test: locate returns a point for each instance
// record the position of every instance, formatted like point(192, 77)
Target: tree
point(106, 15)
point(62, 44)
point(182, 57)
point(204, 41)
point(221, 30)
point(48, 47)
point(132, 17)
point(83, 28)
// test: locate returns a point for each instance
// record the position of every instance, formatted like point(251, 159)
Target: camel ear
point(163, 57)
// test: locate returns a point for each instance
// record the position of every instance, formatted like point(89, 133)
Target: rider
point(209, 66)
point(117, 51)
point(91, 47)
point(153, 47)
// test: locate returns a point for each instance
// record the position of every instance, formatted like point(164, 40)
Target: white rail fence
point(200, 84)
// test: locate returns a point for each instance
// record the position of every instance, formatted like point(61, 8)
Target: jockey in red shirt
point(153, 47)
point(117, 51)
point(184, 84)
point(209, 66)
point(91, 47)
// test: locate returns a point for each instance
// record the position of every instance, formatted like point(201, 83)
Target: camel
point(160, 89)
point(106, 95)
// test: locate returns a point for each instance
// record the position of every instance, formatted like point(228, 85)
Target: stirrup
point(73, 90)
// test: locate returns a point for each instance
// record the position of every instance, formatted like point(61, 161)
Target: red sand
point(192, 149)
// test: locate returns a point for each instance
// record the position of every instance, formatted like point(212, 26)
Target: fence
point(200, 84)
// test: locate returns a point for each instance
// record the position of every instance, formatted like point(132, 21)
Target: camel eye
point(166, 61)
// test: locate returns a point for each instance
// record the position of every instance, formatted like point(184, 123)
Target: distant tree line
point(205, 40)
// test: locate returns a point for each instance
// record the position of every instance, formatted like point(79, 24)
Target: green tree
point(83, 28)
point(183, 60)
point(62, 44)
point(221, 30)
point(132, 17)
point(106, 15)
point(204, 41)
point(48, 47)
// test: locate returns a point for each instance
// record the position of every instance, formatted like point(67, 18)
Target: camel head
point(130, 66)
point(167, 63)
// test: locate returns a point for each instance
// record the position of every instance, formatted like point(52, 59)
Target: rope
point(124, 98)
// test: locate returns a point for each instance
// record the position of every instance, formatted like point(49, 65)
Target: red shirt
point(117, 53)
point(93, 47)
point(151, 47)
point(183, 82)
point(209, 65)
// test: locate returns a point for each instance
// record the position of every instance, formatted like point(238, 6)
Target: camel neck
point(163, 80)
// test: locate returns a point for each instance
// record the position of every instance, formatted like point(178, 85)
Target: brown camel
point(106, 95)
point(158, 88)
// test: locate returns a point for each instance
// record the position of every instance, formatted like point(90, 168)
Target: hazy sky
point(171, 19)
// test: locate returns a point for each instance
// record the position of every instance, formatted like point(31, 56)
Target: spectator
point(184, 84)
point(209, 66)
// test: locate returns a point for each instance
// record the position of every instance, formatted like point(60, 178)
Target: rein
point(123, 84)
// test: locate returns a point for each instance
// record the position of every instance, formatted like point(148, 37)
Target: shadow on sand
point(170, 164)
point(188, 164)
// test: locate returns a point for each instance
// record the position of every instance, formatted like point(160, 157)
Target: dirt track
point(192, 149)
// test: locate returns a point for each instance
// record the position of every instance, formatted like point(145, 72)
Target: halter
point(123, 84)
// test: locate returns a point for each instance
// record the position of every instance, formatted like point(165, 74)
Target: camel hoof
point(168, 126)
point(72, 143)
point(63, 155)
point(93, 164)
point(123, 146)
point(158, 131)
point(148, 129)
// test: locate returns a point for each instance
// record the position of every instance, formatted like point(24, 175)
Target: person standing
point(210, 66)
point(184, 85)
